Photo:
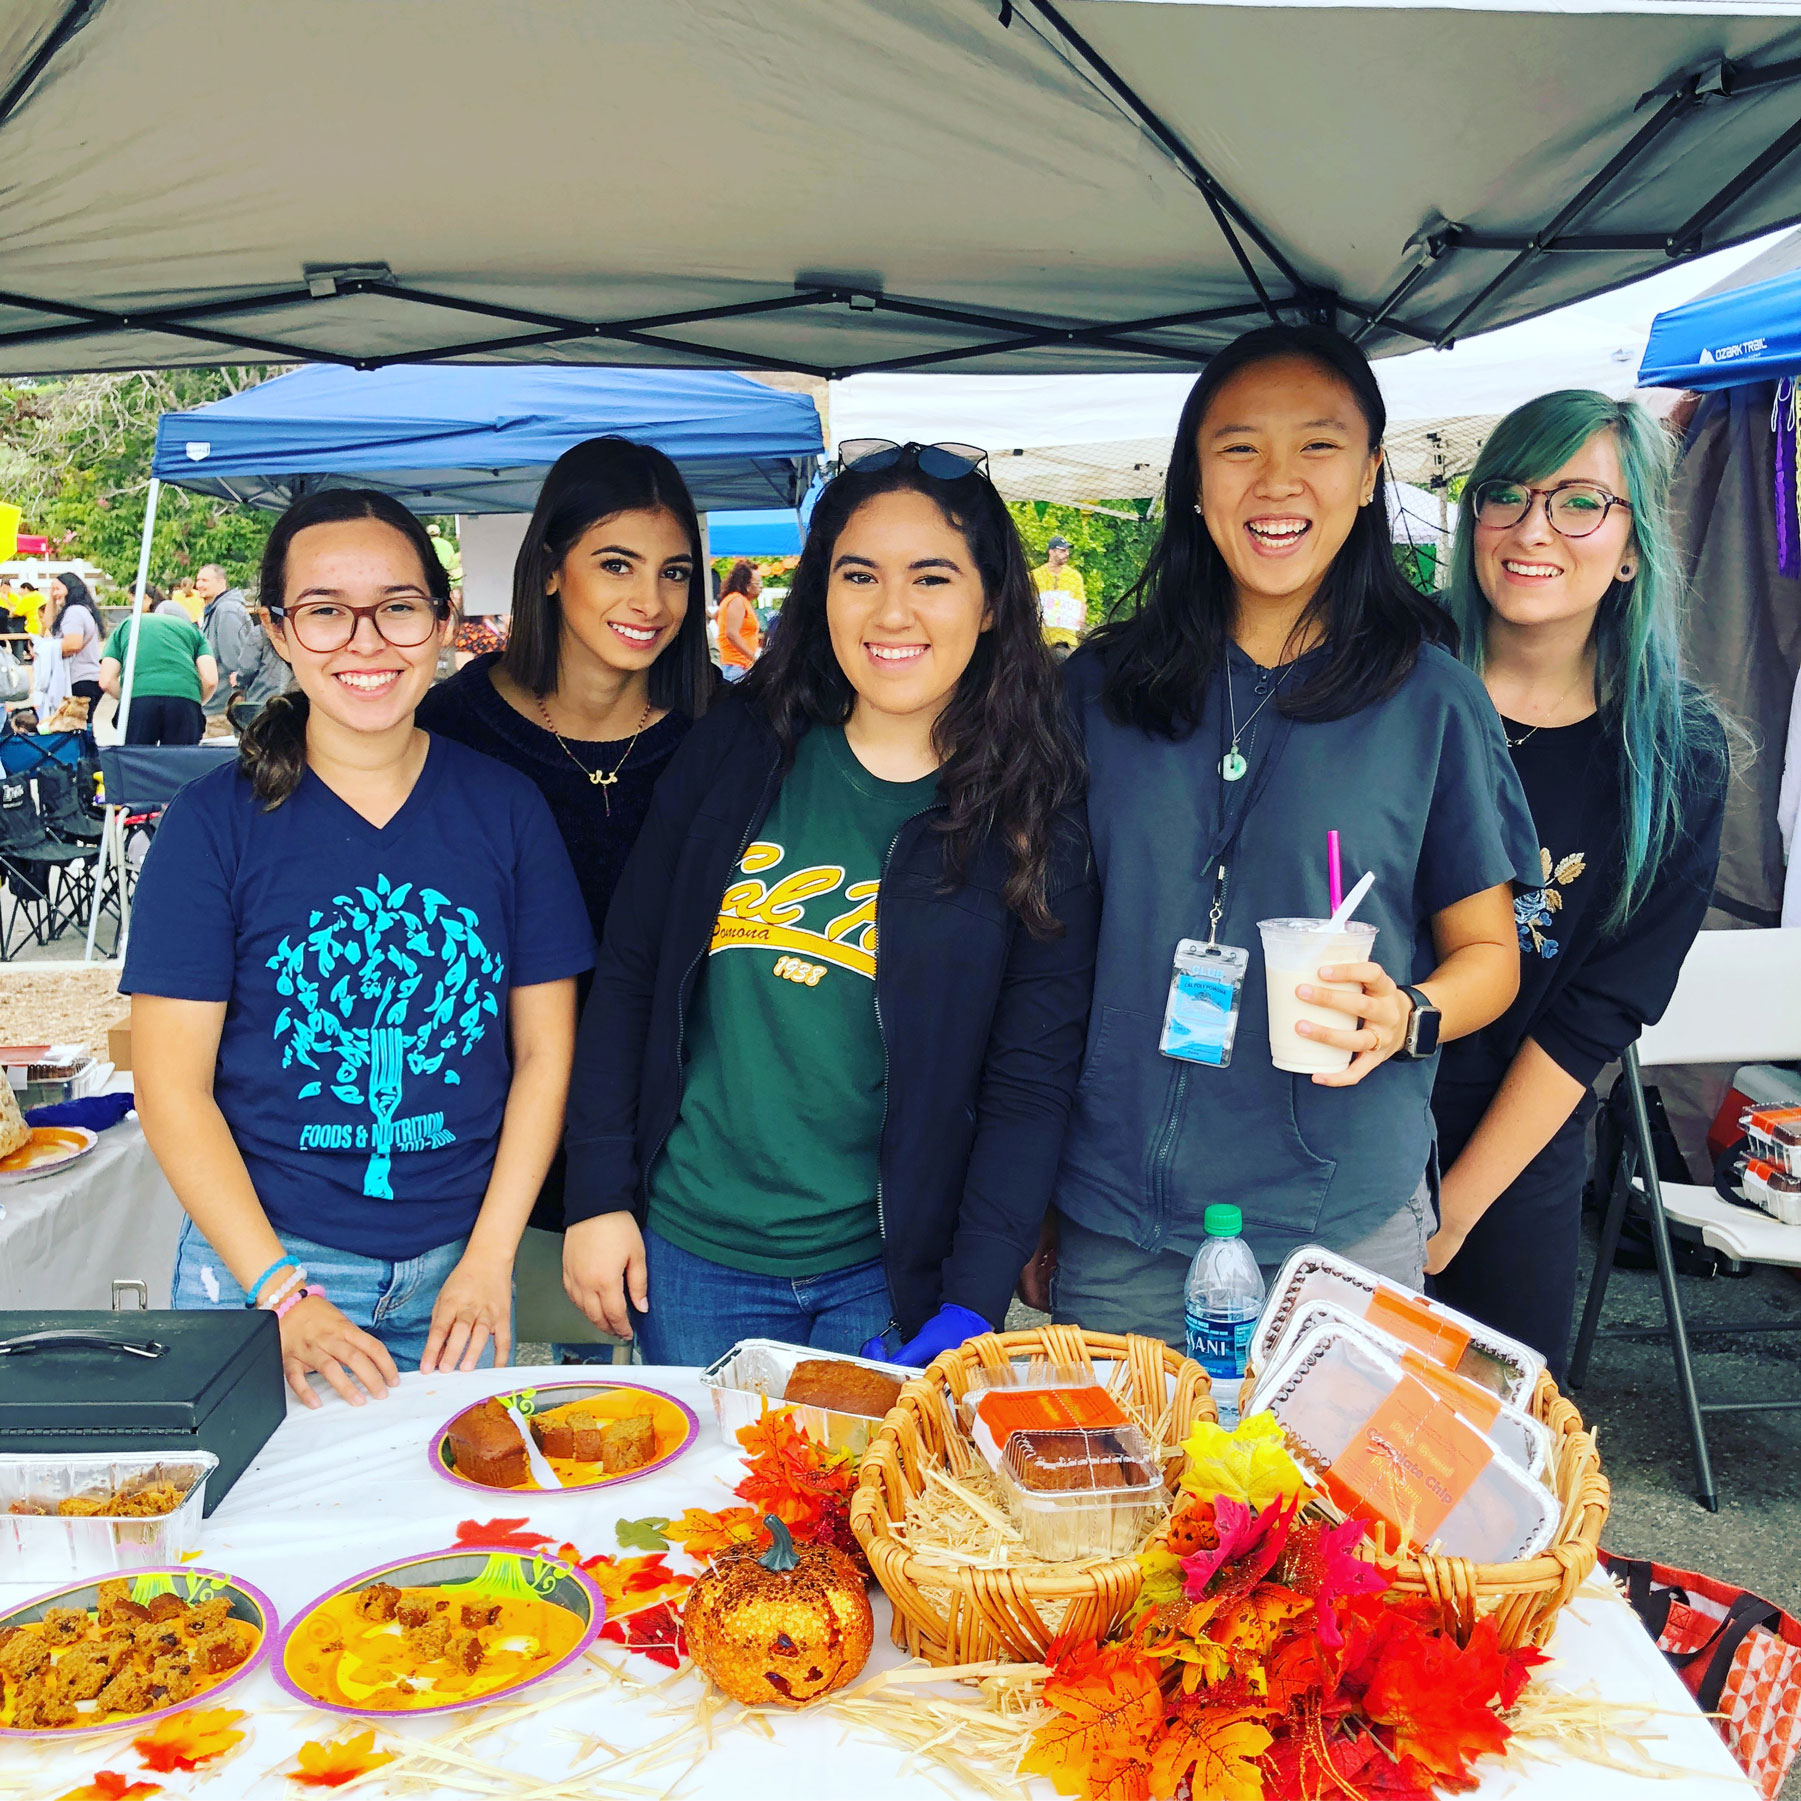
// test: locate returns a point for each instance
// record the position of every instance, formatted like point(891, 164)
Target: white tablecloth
point(65, 1236)
point(340, 1491)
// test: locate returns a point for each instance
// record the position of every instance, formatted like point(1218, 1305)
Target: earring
point(1627, 572)
point(1197, 506)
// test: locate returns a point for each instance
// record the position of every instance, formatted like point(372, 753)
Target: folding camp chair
point(1738, 1000)
point(51, 882)
point(64, 812)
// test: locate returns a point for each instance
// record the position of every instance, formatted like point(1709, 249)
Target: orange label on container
point(1412, 1319)
point(1477, 1404)
point(1007, 1411)
point(1409, 1464)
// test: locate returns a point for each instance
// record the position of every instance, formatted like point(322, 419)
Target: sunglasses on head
point(947, 462)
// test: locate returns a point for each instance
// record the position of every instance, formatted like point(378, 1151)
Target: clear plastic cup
point(1294, 950)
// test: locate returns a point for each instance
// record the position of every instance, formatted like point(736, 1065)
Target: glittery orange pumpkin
point(788, 1626)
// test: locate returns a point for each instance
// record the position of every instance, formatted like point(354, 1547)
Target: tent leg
point(137, 607)
point(106, 841)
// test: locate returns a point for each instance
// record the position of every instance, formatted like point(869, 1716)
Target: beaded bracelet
point(256, 1287)
point(289, 1284)
point(294, 1300)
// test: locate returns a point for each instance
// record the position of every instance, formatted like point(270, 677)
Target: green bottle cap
point(1223, 1222)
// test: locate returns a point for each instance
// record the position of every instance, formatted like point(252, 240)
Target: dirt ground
point(49, 1003)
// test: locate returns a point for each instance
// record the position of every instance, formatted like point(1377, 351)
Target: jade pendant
point(1232, 766)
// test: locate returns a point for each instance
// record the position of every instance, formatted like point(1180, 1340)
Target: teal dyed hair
point(1661, 723)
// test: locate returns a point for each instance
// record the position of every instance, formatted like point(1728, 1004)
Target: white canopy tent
point(840, 185)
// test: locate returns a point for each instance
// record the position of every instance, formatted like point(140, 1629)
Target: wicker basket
point(949, 1613)
point(1523, 1597)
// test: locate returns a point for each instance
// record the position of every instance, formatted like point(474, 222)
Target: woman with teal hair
point(1565, 587)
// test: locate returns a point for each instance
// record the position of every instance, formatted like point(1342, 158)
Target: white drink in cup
point(1294, 951)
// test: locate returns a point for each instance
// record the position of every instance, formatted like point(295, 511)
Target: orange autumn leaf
point(1108, 1708)
point(1219, 1746)
point(704, 1535)
point(630, 1584)
point(342, 1761)
point(189, 1740)
point(109, 1785)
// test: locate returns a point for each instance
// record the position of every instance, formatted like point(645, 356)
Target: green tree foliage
point(75, 455)
point(1109, 548)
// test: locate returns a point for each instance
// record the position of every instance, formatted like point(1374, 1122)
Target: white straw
point(1349, 904)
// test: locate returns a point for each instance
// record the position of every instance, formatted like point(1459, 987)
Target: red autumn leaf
point(656, 1633)
point(1248, 1540)
point(109, 1785)
point(1108, 1709)
point(1439, 1701)
point(189, 1740)
point(1321, 1561)
point(503, 1534)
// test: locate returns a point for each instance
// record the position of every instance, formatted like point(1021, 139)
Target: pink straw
point(1334, 870)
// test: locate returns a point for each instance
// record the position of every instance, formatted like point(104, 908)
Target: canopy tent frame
point(1684, 93)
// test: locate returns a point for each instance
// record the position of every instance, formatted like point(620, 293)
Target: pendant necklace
point(1563, 701)
point(1233, 764)
point(603, 779)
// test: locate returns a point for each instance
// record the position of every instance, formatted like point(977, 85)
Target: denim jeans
point(700, 1309)
point(393, 1301)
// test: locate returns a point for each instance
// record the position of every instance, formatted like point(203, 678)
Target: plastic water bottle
point(1225, 1297)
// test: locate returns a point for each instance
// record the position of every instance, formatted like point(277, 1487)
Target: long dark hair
point(1007, 760)
point(589, 482)
point(272, 748)
point(77, 596)
point(1161, 656)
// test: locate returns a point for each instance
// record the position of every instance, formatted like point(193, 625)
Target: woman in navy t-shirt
point(352, 964)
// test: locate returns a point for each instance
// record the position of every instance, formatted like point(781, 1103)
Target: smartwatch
point(1422, 1026)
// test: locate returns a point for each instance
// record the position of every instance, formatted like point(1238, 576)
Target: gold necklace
point(603, 779)
point(1562, 701)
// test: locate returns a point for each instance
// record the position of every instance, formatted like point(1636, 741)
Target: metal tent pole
point(124, 713)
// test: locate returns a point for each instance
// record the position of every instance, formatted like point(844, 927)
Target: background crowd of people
point(871, 939)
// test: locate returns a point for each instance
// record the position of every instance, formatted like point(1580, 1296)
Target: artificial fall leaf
point(1214, 1748)
point(632, 1584)
point(1438, 1700)
point(1321, 1561)
point(109, 1785)
point(342, 1761)
point(656, 1633)
point(1309, 1761)
point(787, 1474)
point(1108, 1708)
point(1249, 1541)
point(703, 1535)
point(188, 1740)
point(1250, 1464)
point(641, 1535)
point(504, 1534)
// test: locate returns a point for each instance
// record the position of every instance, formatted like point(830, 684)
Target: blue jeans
point(700, 1309)
point(393, 1301)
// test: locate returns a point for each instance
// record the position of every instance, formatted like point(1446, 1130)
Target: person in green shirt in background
point(175, 673)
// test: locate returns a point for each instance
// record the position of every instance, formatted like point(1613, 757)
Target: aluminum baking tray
point(756, 1370)
point(56, 1548)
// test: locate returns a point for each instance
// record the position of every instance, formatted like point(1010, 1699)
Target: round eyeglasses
point(947, 462)
point(405, 622)
point(1575, 509)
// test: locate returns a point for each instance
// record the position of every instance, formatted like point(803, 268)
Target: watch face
point(1424, 1031)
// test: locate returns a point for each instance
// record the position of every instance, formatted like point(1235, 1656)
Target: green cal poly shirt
point(167, 666)
point(773, 1161)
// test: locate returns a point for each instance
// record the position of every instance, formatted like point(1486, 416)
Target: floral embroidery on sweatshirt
point(1535, 909)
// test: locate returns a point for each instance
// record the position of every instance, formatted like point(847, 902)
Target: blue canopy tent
point(479, 439)
point(1725, 340)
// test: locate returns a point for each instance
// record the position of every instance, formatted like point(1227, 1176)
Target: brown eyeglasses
point(406, 622)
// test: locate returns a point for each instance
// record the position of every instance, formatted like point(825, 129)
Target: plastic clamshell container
point(1463, 1345)
point(1773, 1189)
point(1081, 1493)
point(1036, 1372)
point(1000, 1414)
point(1516, 1433)
point(1345, 1408)
point(1775, 1135)
point(53, 1547)
point(756, 1370)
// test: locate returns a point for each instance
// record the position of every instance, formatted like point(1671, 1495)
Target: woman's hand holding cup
point(1378, 1012)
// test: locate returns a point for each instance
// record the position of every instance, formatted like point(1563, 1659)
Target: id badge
point(1201, 1018)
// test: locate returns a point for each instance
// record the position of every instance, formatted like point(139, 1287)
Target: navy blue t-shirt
point(363, 1068)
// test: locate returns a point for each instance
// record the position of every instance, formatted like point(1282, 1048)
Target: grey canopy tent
point(838, 185)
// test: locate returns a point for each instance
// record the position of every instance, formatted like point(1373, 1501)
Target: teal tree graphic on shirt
point(387, 988)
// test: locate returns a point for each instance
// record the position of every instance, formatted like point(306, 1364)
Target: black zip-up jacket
point(982, 1023)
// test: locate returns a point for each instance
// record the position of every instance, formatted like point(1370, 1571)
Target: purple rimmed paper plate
point(673, 1422)
point(188, 1584)
point(481, 1571)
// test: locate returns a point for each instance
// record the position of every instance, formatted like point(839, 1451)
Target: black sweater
point(983, 1024)
point(599, 826)
point(1585, 994)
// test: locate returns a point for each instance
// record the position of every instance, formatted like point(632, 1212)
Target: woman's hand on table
point(603, 1263)
point(317, 1339)
point(474, 1305)
point(1378, 1019)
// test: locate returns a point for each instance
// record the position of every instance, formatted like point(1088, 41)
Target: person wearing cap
point(1062, 599)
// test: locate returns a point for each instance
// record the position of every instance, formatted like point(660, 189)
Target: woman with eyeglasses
point(352, 963)
point(1279, 680)
point(826, 1063)
point(1565, 586)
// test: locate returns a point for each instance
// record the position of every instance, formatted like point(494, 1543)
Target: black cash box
point(92, 1382)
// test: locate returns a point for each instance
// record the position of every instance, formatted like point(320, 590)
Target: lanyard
point(1232, 820)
